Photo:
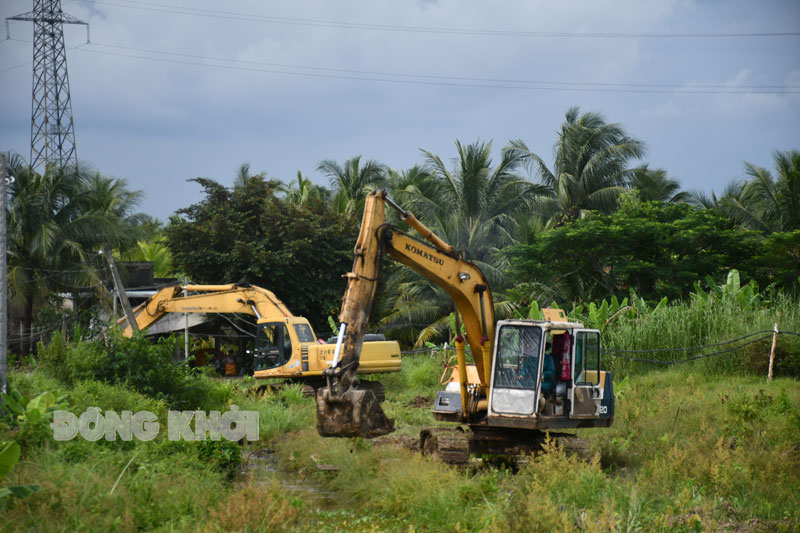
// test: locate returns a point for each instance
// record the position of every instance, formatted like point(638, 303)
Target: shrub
point(31, 416)
point(279, 411)
point(71, 362)
point(146, 367)
point(256, 508)
point(225, 455)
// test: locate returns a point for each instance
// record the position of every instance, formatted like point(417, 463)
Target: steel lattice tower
point(52, 128)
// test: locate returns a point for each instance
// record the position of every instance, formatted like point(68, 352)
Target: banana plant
point(463, 328)
point(9, 456)
point(39, 408)
point(600, 316)
point(732, 291)
point(332, 324)
point(534, 313)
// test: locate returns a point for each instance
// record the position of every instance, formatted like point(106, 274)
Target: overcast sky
point(174, 89)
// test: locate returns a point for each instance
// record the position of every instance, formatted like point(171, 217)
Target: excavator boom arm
point(463, 281)
point(346, 411)
point(210, 299)
point(440, 263)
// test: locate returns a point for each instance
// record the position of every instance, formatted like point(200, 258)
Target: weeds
point(684, 325)
point(142, 365)
point(691, 449)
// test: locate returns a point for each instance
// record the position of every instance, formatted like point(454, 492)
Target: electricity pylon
point(52, 128)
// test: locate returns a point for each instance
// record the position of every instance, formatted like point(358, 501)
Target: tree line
point(596, 223)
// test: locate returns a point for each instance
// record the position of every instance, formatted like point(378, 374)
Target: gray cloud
point(161, 96)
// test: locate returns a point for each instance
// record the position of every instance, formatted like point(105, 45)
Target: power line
point(433, 81)
point(61, 271)
point(440, 77)
point(251, 17)
point(16, 66)
point(690, 348)
point(26, 63)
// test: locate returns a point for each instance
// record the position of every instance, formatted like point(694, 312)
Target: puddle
point(262, 467)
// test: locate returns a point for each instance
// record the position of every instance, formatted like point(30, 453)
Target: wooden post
point(772, 351)
point(123, 296)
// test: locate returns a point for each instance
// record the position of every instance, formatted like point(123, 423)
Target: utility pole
point(185, 325)
point(3, 279)
point(52, 127)
point(123, 296)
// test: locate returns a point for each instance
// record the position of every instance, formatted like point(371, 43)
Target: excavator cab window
point(516, 369)
point(273, 346)
point(518, 350)
point(304, 333)
point(587, 358)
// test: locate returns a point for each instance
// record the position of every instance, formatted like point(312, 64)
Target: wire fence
point(733, 345)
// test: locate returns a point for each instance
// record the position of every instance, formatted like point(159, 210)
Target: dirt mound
point(420, 401)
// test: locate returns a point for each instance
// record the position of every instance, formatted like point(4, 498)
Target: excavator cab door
point(517, 367)
point(586, 393)
point(273, 346)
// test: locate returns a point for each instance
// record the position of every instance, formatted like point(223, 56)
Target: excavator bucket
point(355, 413)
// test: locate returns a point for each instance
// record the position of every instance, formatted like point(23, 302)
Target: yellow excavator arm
point(285, 345)
point(209, 299)
point(462, 280)
point(346, 411)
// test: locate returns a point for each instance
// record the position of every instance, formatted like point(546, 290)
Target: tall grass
point(703, 446)
point(690, 324)
point(279, 412)
point(687, 452)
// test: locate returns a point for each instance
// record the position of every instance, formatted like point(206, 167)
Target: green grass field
point(688, 451)
point(708, 445)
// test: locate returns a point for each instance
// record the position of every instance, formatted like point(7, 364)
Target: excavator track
point(376, 387)
point(449, 445)
point(523, 442)
point(455, 445)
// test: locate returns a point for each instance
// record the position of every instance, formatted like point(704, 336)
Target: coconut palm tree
point(762, 202)
point(110, 201)
point(655, 186)
point(413, 187)
point(590, 166)
point(156, 251)
point(472, 207)
point(775, 200)
point(475, 205)
point(57, 222)
point(303, 191)
point(352, 181)
point(243, 175)
point(730, 204)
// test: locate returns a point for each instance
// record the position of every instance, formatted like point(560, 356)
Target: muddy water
point(262, 467)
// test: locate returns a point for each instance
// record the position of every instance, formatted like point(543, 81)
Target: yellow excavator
point(285, 345)
point(527, 376)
